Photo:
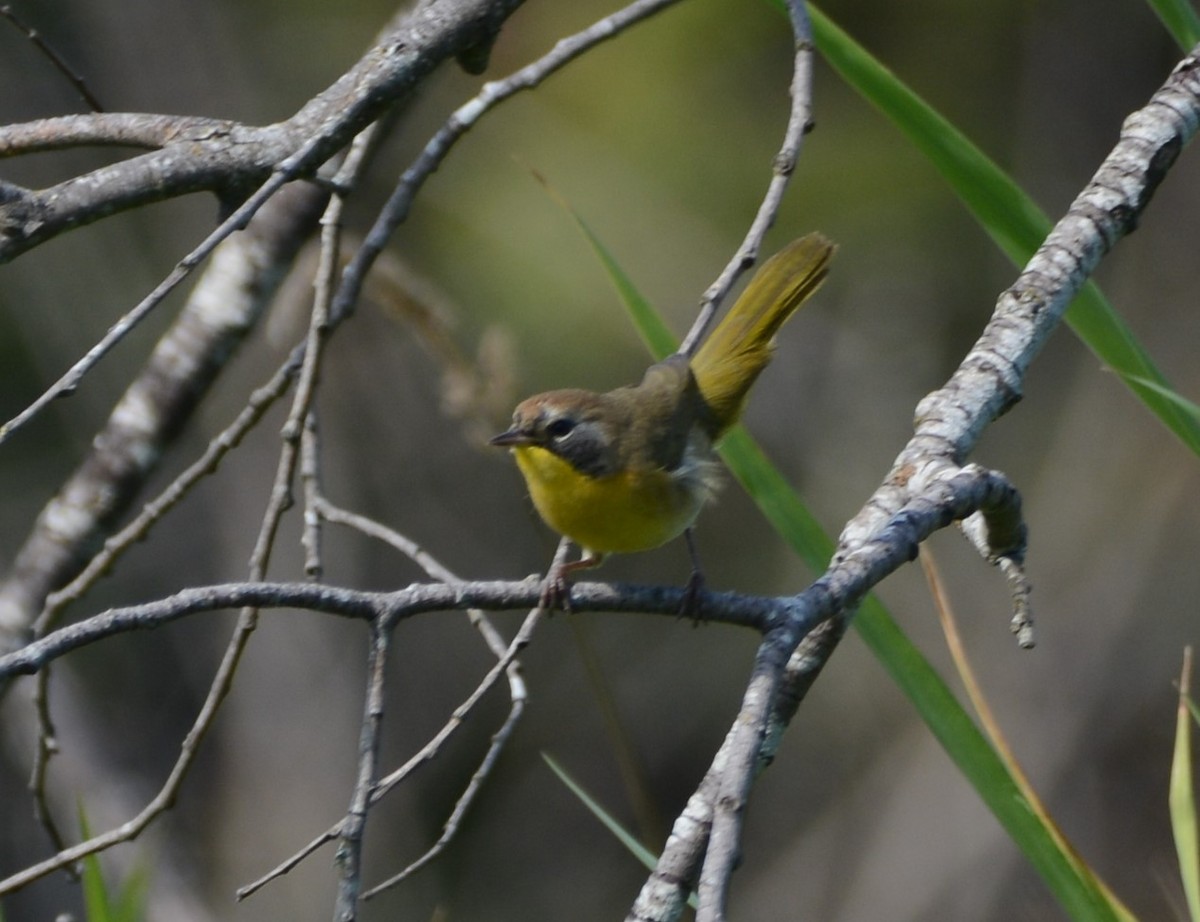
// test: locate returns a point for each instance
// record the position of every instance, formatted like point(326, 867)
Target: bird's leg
point(695, 584)
point(556, 588)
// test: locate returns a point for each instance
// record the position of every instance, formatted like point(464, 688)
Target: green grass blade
point(99, 905)
point(131, 900)
point(1006, 213)
point(96, 904)
point(624, 836)
point(1183, 795)
point(646, 320)
point(1181, 20)
point(1184, 405)
point(776, 499)
point(980, 765)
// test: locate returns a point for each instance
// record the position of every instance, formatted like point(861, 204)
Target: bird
point(630, 469)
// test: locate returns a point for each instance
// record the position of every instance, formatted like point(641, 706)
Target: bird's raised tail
point(736, 352)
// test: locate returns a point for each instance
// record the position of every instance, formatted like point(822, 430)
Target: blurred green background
point(663, 141)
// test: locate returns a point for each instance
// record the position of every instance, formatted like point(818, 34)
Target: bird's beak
point(511, 438)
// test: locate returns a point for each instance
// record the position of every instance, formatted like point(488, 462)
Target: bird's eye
point(560, 428)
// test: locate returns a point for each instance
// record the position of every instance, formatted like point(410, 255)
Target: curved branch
point(105, 129)
point(232, 159)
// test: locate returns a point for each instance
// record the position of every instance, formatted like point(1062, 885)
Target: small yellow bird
point(630, 469)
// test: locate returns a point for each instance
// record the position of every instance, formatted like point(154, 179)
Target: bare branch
point(276, 156)
point(506, 664)
point(354, 824)
point(499, 740)
point(115, 129)
point(732, 608)
point(223, 678)
point(233, 160)
point(724, 846)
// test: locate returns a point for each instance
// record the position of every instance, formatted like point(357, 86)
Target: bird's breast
point(630, 510)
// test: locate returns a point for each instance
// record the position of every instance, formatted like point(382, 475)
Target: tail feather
point(735, 353)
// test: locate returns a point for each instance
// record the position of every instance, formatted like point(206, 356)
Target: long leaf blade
point(626, 838)
point(1181, 20)
point(1006, 213)
point(623, 835)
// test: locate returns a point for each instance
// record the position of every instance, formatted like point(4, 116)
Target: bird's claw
point(556, 593)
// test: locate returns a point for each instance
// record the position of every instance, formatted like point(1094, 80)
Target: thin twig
point(281, 490)
point(323, 288)
point(506, 662)
point(732, 608)
point(36, 654)
point(178, 343)
point(426, 753)
point(261, 400)
point(58, 61)
point(286, 867)
point(430, 750)
point(414, 552)
point(354, 823)
point(47, 748)
point(307, 157)
point(231, 162)
point(221, 310)
point(154, 410)
point(450, 829)
point(67, 384)
point(798, 125)
point(310, 478)
point(394, 213)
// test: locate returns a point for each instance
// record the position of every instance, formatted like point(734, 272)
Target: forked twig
point(506, 664)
